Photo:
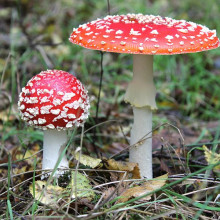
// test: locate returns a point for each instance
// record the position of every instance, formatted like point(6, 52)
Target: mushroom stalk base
point(141, 153)
point(54, 144)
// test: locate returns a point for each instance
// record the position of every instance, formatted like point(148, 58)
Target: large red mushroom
point(54, 101)
point(143, 36)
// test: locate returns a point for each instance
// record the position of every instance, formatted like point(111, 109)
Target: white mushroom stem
point(141, 94)
point(53, 146)
point(141, 153)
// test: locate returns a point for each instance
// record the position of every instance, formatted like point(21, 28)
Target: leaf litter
point(48, 194)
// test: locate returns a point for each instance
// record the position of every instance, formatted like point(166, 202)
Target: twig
point(146, 136)
point(108, 3)
point(4, 70)
point(105, 122)
point(97, 105)
point(178, 158)
point(44, 55)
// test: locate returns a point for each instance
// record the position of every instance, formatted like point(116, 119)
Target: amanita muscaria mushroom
point(54, 101)
point(143, 36)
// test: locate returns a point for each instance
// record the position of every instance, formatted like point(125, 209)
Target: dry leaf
point(28, 156)
point(47, 194)
point(130, 167)
point(82, 184)
point(50, 195)
point(212, 158)
point(145, 188)
point(87, 160)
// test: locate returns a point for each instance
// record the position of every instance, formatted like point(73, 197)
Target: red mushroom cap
point(144, 34)
point(54, 99)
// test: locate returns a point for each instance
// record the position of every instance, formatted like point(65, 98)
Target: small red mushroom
point(143, 36)
point(54, 101)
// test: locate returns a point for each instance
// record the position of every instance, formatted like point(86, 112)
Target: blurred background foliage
point(34, 37)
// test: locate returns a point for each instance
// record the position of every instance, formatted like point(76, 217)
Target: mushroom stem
point(53, 146)
point(141, 94)
point(141, 153)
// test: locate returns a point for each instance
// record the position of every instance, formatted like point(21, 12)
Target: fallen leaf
point(50, 194)
point(87, 160)
point(145, 188)
point(47, 194)
point(82, 185)
point(130, 167)
point(212, 158)
point(28, 156)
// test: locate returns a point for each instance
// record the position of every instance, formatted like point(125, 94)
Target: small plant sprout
point(54, 101)
point(144, 36)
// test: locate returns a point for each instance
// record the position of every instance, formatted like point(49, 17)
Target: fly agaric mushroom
point(143, 36)
point(54, 101)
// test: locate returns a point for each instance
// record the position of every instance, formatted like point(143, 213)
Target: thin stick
point(108, 3)
point(97, 105)
point(4, 70)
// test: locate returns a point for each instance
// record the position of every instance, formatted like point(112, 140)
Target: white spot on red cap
point(51, 126)
point(154, 32)
point(154, 40)
point(183, 30)
point(119, 32)
point(45, 109)
point(22, 107)
point(89, 33)
point(41, 121)
point(169, 37)
point(67, 96)
point(133, 32)
point(71, 116)
point(44, 99)
point(57, 102)
point(55, 111)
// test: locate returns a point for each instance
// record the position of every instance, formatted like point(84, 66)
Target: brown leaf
point(108, 192)
point(130, 167)
point(145, 188)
